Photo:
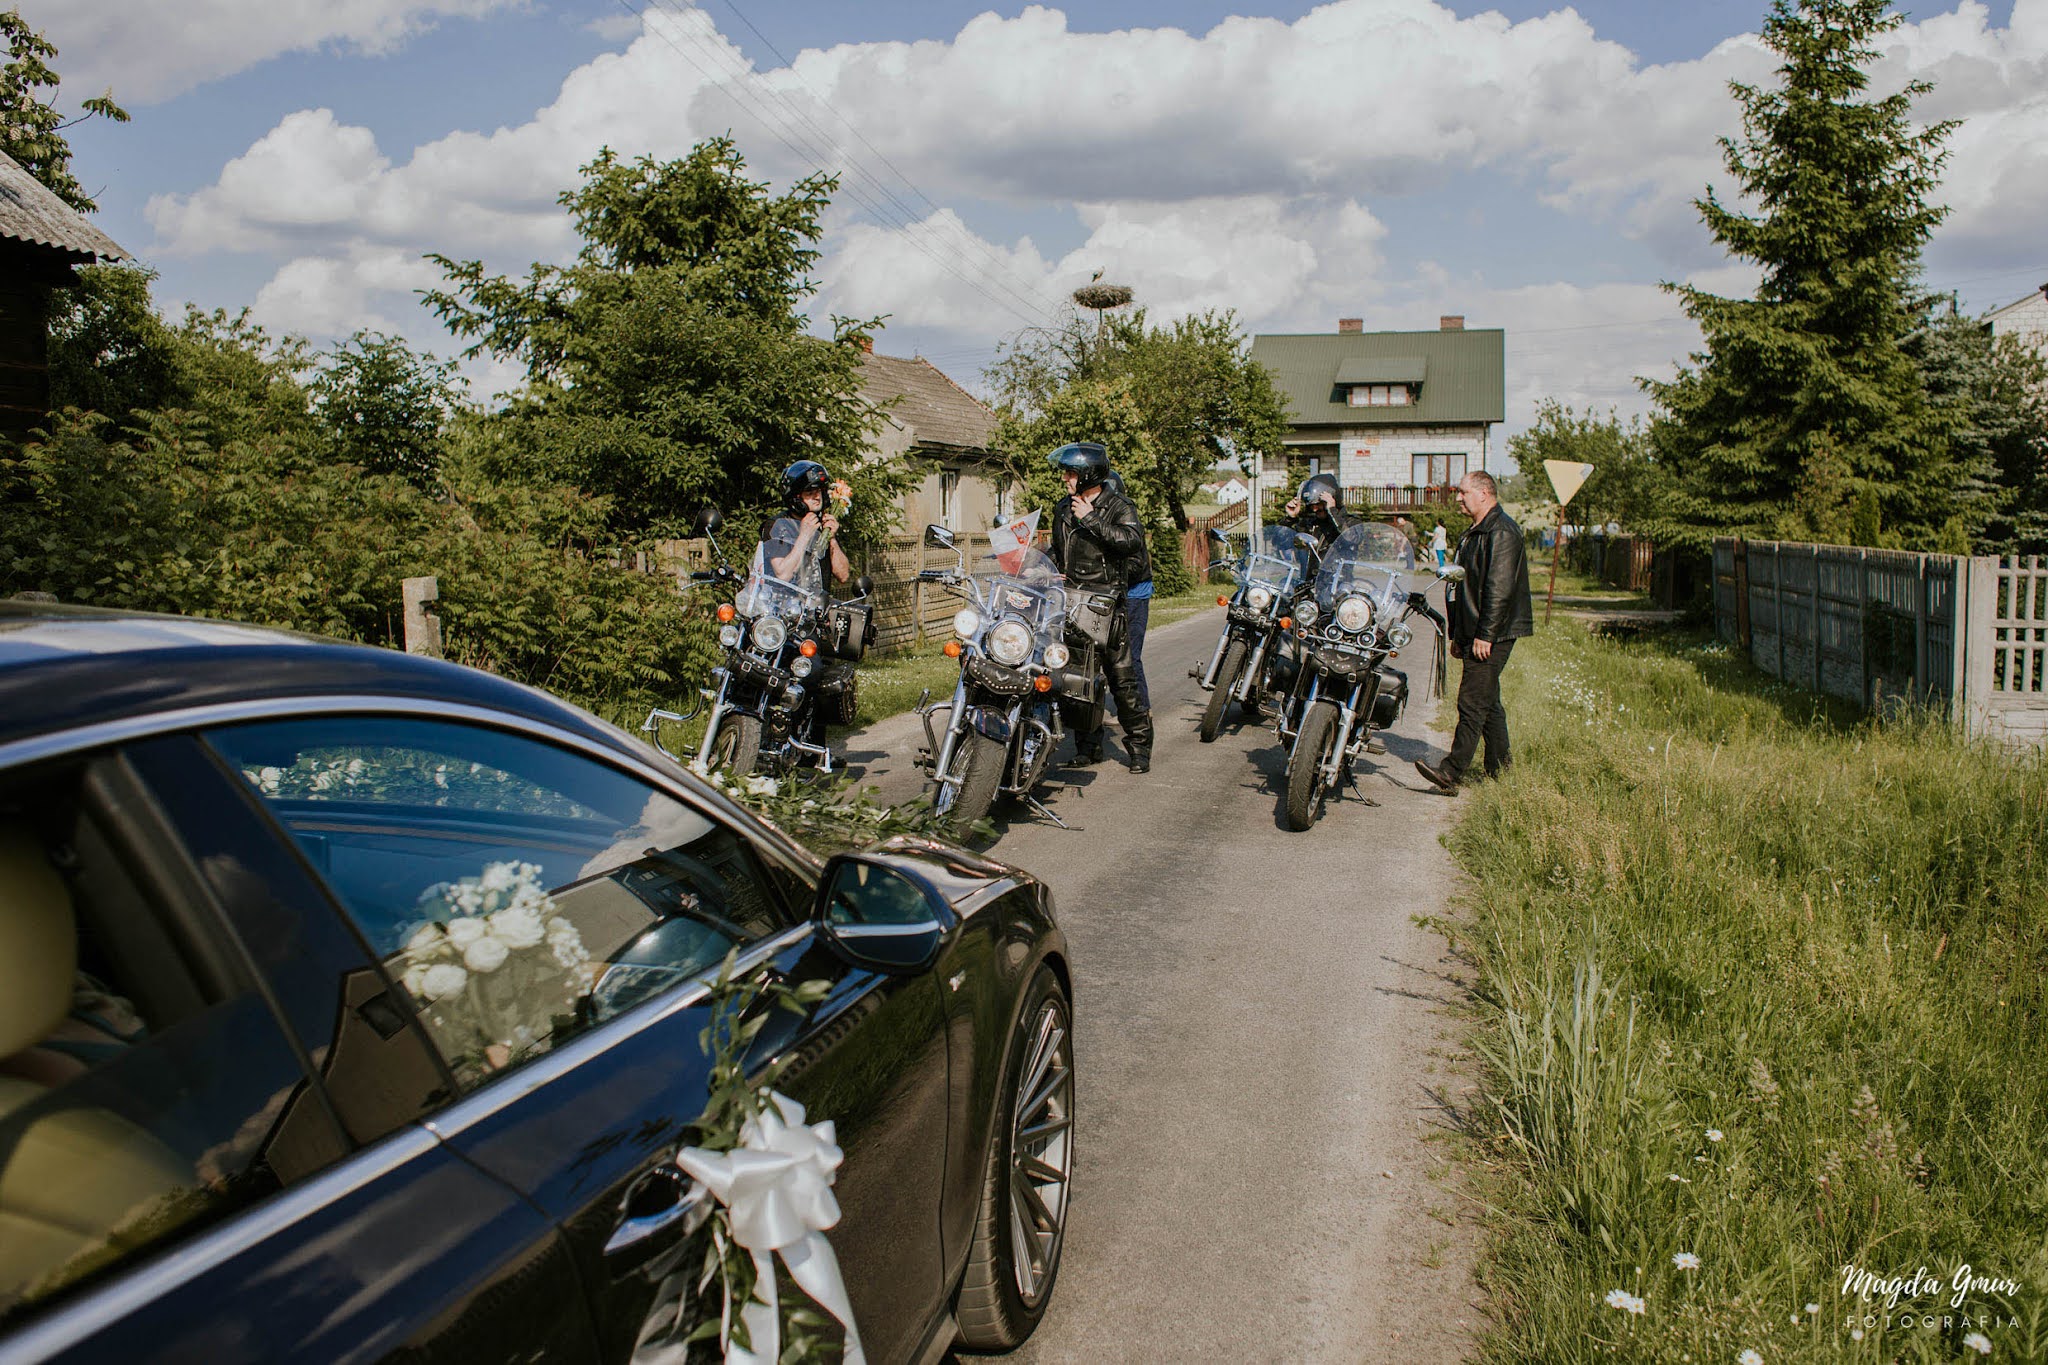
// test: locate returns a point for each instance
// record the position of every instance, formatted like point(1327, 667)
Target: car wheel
point(1025, 1194)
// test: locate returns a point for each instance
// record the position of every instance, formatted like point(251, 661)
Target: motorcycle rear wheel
point(737, 749)
point(979, 764)
point(1305, 787)
point(1219, 699)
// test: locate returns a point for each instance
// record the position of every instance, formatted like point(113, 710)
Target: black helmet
point(1114, 482)
point(1089, 460)
point(1320, 488)
point(801, 478)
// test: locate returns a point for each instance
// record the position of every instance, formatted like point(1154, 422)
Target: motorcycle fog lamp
point(1258, 599)
point(769, 633)
point(1009, 644)
point(801, 666)
point(729, 636)
point(1056, 656)
point(966, 623)
point(1399, 636)
point(1354, 614)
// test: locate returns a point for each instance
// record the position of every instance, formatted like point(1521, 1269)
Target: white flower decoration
point(487, 954)
point(423, 940)
point(518, 926)
point(762, 786)
point(463, 931)
point(442, 980)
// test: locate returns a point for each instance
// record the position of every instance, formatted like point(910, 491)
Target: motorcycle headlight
point(1009, 644)
point(1306, 613)
point(1354, 614)
point(769, 633)
point(1258, 599)
point(800, 666)
point(966, 623)
point(1056, 655)
point(729, 636)
point(1399, 636)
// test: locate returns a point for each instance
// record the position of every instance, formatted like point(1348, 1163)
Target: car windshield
point(766, 595)
point(1368, 557)
point(1023, 583)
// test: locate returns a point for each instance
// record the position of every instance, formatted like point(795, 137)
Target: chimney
point(1451, 322)
point(866, 344)
point(1350, 325)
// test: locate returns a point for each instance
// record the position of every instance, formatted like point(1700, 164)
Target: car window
point(146, 1088)
point(521, 893)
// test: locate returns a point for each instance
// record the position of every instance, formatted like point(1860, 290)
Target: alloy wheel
point(1041, 1153)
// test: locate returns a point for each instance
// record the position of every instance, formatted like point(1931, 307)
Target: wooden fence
point(1967, 634)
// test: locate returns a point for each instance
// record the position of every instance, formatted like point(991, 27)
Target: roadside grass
point(1762, 984)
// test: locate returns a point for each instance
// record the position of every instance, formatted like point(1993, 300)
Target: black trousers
point(1480, 714)
point(1138, 614)
point(1131, 711)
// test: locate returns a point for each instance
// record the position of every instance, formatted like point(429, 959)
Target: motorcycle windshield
point(1024, 583)
point(766, 595)
point(1277, 560)
point(1368, 558)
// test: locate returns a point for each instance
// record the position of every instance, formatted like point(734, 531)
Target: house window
point(1381, 395)
point(1437, 471)
point(949, 498)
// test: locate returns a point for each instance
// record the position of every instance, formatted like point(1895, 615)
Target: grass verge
point(1763, 987)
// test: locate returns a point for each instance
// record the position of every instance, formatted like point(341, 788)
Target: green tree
point(1989, 396)
point(1626, 485)
point(668, 366)
point(384, 405)
point(31, 126)
point(110, 351)
point(1807, 390)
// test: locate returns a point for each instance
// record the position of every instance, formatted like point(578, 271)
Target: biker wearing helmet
point(799, 543)
point(1096, 536)
point(1318, 509)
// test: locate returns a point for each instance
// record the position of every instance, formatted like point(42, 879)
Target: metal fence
point(1969, 635)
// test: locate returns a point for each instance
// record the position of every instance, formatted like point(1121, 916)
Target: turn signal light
point(1222, 601)
point(1287, 623)
point(952, 650)
point(725, 612)
point(1042, 683)
point(807, 648)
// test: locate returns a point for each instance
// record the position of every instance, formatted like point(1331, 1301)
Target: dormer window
point(1380, 395)
point(1380, 381)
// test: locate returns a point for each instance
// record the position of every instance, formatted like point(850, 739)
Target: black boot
point(1141, 759)
point(1087, 749)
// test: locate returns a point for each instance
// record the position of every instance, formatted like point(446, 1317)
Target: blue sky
point(1526, 165)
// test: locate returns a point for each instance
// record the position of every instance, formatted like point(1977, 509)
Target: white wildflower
point(1750, 1356)
point(1686, 1260)
point(1627, 1302)
point(1855, 1334)
point(1813, 1310)
point(1978, 1342)
point(1713, 1134)
point(487, 954)
point(442, 980)
point(463, 931)
point(1678, 1179)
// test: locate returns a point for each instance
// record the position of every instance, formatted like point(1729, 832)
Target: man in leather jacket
point(1318, 509)
point(1095, 535)
point(1490, 610)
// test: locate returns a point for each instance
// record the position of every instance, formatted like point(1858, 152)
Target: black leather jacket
point(1493, 601)
point(1095, 551)
point(1324, 529)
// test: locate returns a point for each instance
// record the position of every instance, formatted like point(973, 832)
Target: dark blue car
point(350, 1009)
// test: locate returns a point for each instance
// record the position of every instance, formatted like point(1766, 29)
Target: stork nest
point(1100, 296)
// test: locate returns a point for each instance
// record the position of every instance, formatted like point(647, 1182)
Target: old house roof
point(917, 395)
point(1461, 374)
point(29, 212)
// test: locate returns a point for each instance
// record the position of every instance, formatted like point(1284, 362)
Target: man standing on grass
point(1490, 610)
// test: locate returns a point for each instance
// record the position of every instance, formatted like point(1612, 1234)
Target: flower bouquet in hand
point(493, 962)
point(840, 498)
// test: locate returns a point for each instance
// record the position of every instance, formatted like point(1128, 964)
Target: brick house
point(2026, 318)
point(933, 419)
point(1398, 416)
point(41, 239)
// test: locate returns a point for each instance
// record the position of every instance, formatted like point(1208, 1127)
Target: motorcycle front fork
point(718, 710)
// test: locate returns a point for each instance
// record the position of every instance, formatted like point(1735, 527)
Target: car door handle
point(657, 1200)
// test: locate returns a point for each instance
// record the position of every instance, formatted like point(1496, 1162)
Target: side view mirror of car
point(864, 585)
point(708, 520)
point(879, 915)
point(938, 537)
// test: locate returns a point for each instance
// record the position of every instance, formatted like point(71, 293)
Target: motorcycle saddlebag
point(848, 629)
point(1391, 700)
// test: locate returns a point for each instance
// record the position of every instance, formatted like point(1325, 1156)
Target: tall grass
point(1764, 986)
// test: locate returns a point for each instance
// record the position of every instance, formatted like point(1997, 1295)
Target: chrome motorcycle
point(1270, 574)
point(1352, 619)
point(1003, 722)
point(789, 650)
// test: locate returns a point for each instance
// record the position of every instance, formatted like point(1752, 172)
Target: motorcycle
point(1345, 627)
point(1003, 722)
point(788, 651)
point(1271, 573)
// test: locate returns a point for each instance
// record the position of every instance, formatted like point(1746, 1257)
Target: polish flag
point(1008, 541)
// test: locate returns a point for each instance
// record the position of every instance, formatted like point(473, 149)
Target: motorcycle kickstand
point(1028, 799)
point(1351, 781)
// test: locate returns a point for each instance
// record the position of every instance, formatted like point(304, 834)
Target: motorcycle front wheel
point(1305, 786)
point(738, 746)
point(1219, 699)
point(978, 766)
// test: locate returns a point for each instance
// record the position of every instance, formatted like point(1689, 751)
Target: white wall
point(1385, 455)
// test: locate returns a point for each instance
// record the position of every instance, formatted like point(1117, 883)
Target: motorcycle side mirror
point(1304, 541)
point(938, 537)
point(864, 585)
point(1219, 537)
point(708, 520)
point(1452, 573)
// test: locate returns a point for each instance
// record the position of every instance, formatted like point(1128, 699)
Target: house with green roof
point(1398, 416)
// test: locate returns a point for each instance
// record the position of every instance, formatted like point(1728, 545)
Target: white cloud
point(152, 51)
point(335, 295)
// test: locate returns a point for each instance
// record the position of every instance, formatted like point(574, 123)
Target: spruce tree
point(1805, 414)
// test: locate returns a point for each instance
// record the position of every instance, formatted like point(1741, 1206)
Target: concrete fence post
point(422, 623)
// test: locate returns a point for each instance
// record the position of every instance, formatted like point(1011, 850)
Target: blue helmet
point(801, 478)
point(1088, 461)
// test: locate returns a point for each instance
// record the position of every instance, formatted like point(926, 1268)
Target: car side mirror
point(938, 537)
point(864, 585)
point(878, 914)
point(708, 520)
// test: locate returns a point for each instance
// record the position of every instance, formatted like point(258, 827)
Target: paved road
point(1261, 1040)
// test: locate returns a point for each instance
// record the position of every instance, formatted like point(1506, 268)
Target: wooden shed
point(42, 239)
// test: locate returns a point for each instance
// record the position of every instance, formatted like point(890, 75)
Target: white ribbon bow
point(777, 1185)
